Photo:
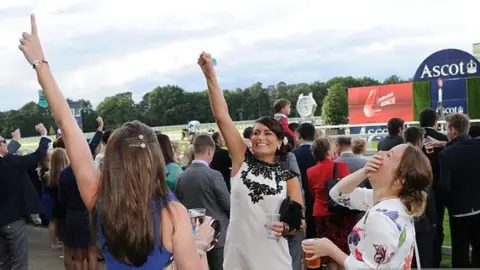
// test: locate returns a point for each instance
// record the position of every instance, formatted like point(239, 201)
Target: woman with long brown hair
point(171, 166)
point(140, 223)
point(385, 236)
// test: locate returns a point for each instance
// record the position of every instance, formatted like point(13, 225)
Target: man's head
point(395, 126)
point(282, 106)
point(204, 147)
point(457, 125)
point(428, 118)
point(414, 136)
point(3, 146)
point(247, 133)
point(343, 144)
point(305, 133)
point(218, 139)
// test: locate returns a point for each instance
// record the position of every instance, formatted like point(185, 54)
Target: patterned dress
point(384, 237)
point(256, 190)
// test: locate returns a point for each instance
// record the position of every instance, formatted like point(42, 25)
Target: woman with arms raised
point(140, 223)
point(259, 185)
point(385, 236)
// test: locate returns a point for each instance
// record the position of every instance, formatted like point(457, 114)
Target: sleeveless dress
point(159, 257)
point(256, 190)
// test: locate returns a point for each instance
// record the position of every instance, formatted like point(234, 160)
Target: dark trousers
point(215, 258)
point(465, 232)
point(295, 249)
point(424, 240)
point(439, 235)
point(14, 246)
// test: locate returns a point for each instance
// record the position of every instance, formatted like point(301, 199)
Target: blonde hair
point(58, 161)
point(358, 145)
point(189, 155)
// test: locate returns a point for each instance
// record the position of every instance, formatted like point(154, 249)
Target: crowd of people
point(282, 196)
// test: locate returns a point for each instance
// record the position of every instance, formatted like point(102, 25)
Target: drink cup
point(271, 218)
point(313, 264)
point(197, 216)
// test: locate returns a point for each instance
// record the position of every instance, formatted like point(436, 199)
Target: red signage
point(377, 104)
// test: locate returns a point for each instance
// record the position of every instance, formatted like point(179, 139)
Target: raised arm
point(230, 133)
point(76, 145)
point(31, 160)
point(97, 137)
point(14, 144)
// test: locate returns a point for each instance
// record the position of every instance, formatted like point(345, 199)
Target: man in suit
point(221, 159)
point(304, 136)
point(425, 225)
point(344, 149)
point(18, 199)
point(428, 121)
point(395, 128)
point(459, 184)
point(201, 187)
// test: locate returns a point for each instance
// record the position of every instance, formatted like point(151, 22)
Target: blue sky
point(97, 48)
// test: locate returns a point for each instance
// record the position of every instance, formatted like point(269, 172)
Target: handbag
point(291, 213)
point(334, 207)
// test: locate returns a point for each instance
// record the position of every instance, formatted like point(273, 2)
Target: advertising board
point(377, 104)
point(454, 96)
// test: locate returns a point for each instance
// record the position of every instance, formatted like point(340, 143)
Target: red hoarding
point(377, 104)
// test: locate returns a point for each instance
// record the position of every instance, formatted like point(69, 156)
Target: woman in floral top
point(385, 236)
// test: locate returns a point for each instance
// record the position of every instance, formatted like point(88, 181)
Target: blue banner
point(454, 93)
point(448, 64)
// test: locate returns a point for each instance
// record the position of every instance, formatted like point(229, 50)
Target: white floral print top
point(384, 237)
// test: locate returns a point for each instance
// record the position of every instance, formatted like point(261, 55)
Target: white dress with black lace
point(256, 190)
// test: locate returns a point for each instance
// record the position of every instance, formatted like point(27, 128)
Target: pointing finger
point(33, 24)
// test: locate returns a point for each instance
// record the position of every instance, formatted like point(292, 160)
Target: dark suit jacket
point(18, 197)
point(389, 142)
point(201, 187)
point(460, 176)
point(223, 163)
point(305, 160)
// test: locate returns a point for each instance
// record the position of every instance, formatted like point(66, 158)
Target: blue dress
point(78, 232)
point(159, 257)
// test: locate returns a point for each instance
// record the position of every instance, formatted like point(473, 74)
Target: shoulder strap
point(417, 254)
point(335, 171)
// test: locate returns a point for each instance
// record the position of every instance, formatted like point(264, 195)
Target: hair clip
point(140, 137)
point(285, 141)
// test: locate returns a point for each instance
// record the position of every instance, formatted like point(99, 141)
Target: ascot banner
point(448, 64)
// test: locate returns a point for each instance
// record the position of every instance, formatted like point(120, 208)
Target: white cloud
point(101, 46)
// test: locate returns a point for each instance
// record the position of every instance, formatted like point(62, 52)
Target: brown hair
point(415, 173)
point(460, 122)
point(202, 142)
point(280, 104)
point(167, 148)
point(358, 145)
point(59, 143)
point(320, 148)
point(132, 180)
point(58, 161)
point(277, 129)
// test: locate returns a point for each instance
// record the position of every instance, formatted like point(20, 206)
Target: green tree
point(335, 106)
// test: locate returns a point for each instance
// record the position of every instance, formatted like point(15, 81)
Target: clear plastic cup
point(197, 216)
point(271, 218)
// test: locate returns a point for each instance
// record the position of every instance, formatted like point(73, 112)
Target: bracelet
point(286, 229)
point(202, 246)
point(38, 63)
point(201, 252)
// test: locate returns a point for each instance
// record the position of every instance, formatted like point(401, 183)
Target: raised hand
point(374, 163)
point(16, 135)
point(206, 63)
point(40, 128)
point(30, 44)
